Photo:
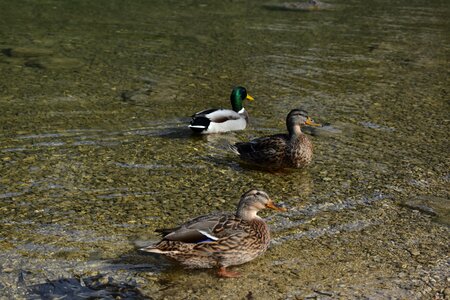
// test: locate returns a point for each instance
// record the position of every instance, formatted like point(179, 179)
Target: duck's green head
point(238, 95)
point(297, 118)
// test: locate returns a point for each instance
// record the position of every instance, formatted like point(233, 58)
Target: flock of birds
point(221, 240)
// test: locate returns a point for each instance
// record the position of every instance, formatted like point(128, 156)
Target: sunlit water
point(95, 153)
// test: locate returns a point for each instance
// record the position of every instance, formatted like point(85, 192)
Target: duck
point(220, 240)
point(291, 150)
point(218, 120)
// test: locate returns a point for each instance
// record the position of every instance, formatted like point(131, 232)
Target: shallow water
point(95, 153)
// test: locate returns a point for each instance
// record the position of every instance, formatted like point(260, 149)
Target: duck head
point(237, 97)
point(252, 202)
point(297, 118)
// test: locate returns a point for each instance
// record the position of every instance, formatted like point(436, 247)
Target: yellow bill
point(310, 122)
point(272, 205)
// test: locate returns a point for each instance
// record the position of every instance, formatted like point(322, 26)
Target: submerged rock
point(25, 52)
point(40, 58)
point(53, 63)
point(434, 206)
point(133, 96)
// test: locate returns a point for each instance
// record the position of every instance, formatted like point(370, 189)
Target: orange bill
point(272, 205)
point(310, 122)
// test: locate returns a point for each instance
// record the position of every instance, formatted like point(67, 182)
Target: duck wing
point(201, 121)
point(203, 113)
point(222, 115)
point(264, 150)
point(204, 229)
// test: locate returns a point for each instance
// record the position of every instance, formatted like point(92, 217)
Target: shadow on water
point(94, 287)
point(168, 270)
point(245, 166)
point(106, 285)
point(230, 160)
point(179, 133)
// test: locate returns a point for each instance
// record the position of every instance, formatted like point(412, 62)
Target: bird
point(220, 240)
point(217, 120)
point(292, 150)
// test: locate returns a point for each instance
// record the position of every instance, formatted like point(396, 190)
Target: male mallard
point(223, 120)
point(281, 150)
point(221, 239)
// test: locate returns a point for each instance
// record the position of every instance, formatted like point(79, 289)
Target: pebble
point(447, 293)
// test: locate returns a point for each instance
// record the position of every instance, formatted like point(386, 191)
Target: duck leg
point(223, 272)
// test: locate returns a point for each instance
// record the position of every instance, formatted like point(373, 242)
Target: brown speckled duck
point(292, 150)
point(220, 240)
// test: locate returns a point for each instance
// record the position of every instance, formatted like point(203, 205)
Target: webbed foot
point(223, 272)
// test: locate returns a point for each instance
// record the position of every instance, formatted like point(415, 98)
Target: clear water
point(95, 153)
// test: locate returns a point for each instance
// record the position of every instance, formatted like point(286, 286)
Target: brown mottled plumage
point(220, 240)
point(292, 150)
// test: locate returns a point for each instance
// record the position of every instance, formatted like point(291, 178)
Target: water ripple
point(328, 230)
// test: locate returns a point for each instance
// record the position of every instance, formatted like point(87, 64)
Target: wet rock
point(447, 293)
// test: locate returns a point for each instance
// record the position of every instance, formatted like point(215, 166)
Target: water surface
point(95, 153)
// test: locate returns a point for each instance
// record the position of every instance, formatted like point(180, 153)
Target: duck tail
point(151, 249)
point(234, 149)
point(165, 231)
point(199, 124)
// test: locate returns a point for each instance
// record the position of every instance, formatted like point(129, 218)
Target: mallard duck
point(222, 120)
point(278, 151)
point(222, 239)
